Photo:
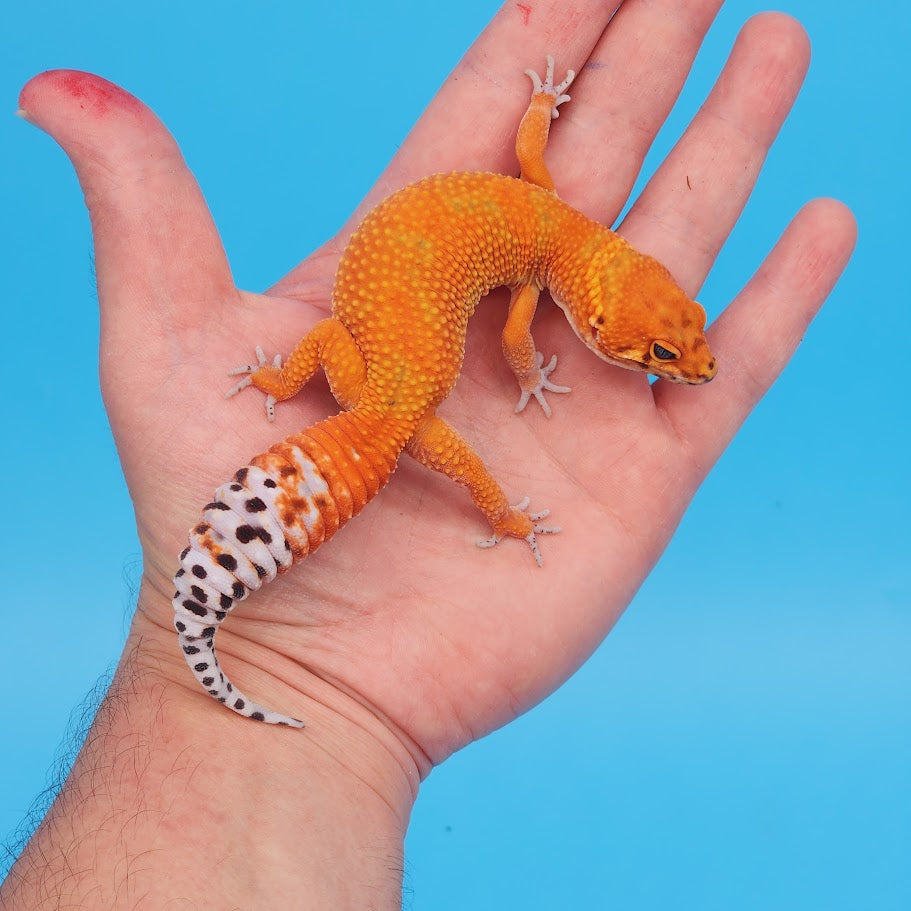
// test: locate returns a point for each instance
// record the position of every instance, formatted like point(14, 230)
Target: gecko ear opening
point(664, 351)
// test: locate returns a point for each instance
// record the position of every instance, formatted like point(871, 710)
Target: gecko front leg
point(531, 138)
point(519, 350)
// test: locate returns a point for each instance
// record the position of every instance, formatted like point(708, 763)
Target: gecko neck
point(574, 248)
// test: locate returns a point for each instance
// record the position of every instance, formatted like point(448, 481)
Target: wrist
point(368, 745)
point(239, 813)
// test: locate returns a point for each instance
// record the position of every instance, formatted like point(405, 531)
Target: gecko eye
point(665, 352)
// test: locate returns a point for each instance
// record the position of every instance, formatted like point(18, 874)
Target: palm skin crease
point(402, 616)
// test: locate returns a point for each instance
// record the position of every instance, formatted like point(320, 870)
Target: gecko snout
point(696, 374)
point(709, 373)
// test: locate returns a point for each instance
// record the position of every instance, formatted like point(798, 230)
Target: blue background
point(743, 741)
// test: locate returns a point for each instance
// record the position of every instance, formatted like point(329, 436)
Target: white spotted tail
point(275, 511)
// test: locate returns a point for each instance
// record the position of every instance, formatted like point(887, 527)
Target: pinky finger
point(759, 331)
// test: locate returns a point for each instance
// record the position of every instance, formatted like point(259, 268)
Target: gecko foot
point(544, 385)
point(518, 512)
point(248, 370)
point(547, 87)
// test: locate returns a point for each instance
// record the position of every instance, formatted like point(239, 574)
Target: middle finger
point(689, 207)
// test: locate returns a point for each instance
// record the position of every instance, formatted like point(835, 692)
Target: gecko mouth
point(691, 379)
point(627, 363)
point(698, 380)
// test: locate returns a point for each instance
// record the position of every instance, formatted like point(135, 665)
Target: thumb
point(160, 264)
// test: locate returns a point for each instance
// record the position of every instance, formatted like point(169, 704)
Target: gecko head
point(641, 319)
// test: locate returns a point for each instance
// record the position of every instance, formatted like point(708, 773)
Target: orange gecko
point(407, 283)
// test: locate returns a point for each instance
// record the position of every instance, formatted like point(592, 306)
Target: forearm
point(173, 798)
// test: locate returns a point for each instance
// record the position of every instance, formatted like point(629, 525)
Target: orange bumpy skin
point(408, 281)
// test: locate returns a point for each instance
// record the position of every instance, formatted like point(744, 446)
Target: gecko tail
point(237, 548)
point(273, 513)
point(197, 643)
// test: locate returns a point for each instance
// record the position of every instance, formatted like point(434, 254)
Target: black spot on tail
point(195, 608)
point(226, 561)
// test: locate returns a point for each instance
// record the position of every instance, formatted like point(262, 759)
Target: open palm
point(402, 615)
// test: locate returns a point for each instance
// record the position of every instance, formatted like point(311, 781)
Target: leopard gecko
point(407, 283)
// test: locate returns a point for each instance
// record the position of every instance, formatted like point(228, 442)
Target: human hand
point(402, 617)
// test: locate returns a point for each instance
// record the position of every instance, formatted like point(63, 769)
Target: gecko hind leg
point(522, 507)
point(247, 370)
point(436, 445)
point(328, 345)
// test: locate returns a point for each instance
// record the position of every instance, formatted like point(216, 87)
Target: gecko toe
point(237, 387)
